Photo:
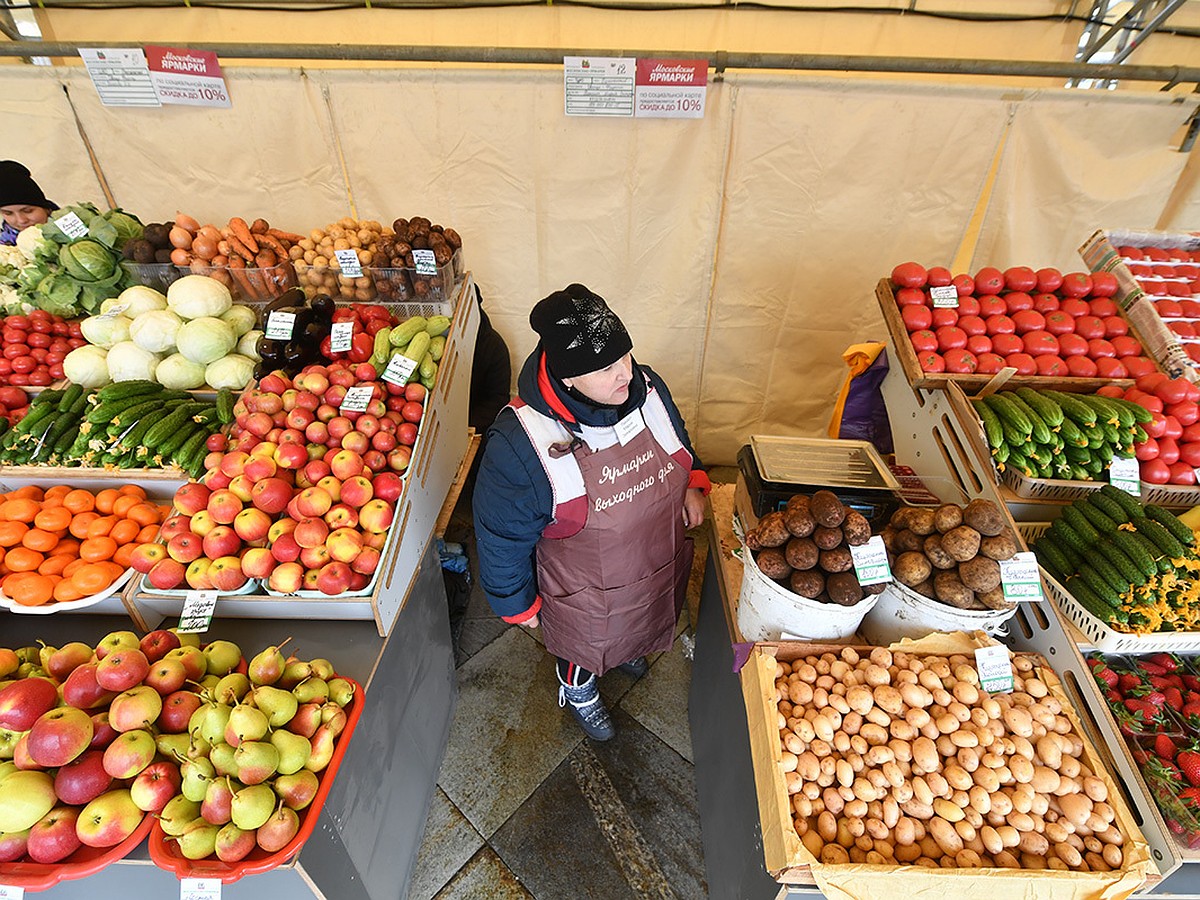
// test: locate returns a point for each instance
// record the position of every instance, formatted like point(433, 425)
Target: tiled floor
point(527, 807)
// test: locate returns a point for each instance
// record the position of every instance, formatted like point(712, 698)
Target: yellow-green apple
point(129, 754)
point(67, 658)
point(108, 820)
point(116, 640)
point(81, 689)
point(185, 640)
point(271, 495)
point(258, 562)
point(334, 579)
point(167, 574)
point(280, 528)
point(154, 786)
point(226, 574)
point(376, 516)
point(193, 659)
point(366, 562)
point(287, 578)
point(241, 487)
point(52, 838)
point(310, 532)
point(83, 779)
point(135, 708)
point(197, 574)
point(252, 524)
point(264, 448)
point(159, 643)
point(59, 736)
point(346, 464)
point(202, 523)
point(310, 580)
point(25, 798)
point(344, 544)
point(185, 548)
point(122, 669)
point(23, 702)
point(166, 676)
point(191, 498)
point(177, 711)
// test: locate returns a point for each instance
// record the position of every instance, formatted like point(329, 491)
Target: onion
point(211, 232)
point(204, 247)
point(180, 237)
point(180, 256)
point(183, 220)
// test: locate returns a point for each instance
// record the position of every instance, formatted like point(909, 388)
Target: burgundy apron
point(612, 591)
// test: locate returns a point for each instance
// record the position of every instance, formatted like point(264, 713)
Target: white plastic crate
point(1175, 496)
point(1054, 489)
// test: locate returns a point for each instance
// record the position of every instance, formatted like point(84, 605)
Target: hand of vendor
point(693, 507)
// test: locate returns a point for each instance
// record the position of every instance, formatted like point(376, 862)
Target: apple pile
point(1040, 323)
point(302, 495)
point(223, 752)
point(1171, 451)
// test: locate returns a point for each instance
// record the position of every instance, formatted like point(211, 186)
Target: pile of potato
point(395, 254)
point(806, 547)
point(317, 266)
point(902, 759)
point(951, 553)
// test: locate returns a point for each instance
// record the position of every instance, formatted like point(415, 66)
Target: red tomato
point(1150, 381)
point(1126, 346)
point(1007, 344)
point(1110, 368)
point(1049, 280)
point(1045, 303)
point(1168, 309)
point(1016, 302)
point(989, 363)
point(1076, 284)
point(950, 338)
point(1191, 435)
point(40, 378)
point(962, 361)
point(21, 322)
point(1053, 365)
point(1163, 271)
point(1189, 452)
point(56, 371)
point(1144, 400)
point(1182, 327)
point(1146, 450)
point(1022, 362)
point(989, 280)
point(968, 306)
point(916, 318)
point(1171, 390)
point(1028, 320)
point(1172, 429)
point(911, 297)
point(53, 357)
point(979, 343)
point(1168, 450)
point(1157, 426)
point(1103, 307)
point(910, 274)
point(1101, 349)
point(1090, 327)
point(1157, 253)
point(39, 340)
point(944, 317)
point(1182, 473)
point(938, 276)
point(1193, 392)
point(1190, 309)
point(1078, 366)
point(923, 341)
point(5, 366)
point(1115, 326)
point(12, 351)
point(1072, 345)
point(14, 336)
point(1179, 289)
point(1111, 390)
point(41, 326)
point(1000, 325)
point(990, 305)
point(12, 398)
point(24, 365)
point(1020, 278)
point(1059, 322)
point(965, 285)
point(1075, 308)
point(1186, 412)
point(19, 379)
point(1041, 343)
point(39, 354)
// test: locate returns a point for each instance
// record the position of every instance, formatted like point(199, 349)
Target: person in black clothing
point(491, 377)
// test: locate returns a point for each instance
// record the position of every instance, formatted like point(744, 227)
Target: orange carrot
point(239, 229)
point(242, 249)
point(285, 235)
point(270, 242)
point(265, 259)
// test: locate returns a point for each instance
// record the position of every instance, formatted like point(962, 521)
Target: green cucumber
point(1132, 508)
point(1169, 521)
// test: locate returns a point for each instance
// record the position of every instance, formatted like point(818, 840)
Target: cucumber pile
point(1118, 558)
point(421, 340)
point(130, 424)
point(1050, 434)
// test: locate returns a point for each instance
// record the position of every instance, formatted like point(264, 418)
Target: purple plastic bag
point(865, 416)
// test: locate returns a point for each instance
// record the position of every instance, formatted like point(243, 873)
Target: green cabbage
point(87, 260)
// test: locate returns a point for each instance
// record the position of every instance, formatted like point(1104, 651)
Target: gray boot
point(588, 709)
point(635, 668)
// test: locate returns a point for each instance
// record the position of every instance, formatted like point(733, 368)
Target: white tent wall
point(742, 249)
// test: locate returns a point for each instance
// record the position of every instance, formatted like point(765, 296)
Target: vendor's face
point(21, 215)
point(609, 385)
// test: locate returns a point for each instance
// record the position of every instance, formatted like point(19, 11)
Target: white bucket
point(766, 610)
point(903, 613)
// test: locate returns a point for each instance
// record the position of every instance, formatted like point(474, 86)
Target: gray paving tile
point(484, 876)
point(475, 634)
point(618, 820)
point(659, 701)
point(508, 732)
point(449, 843)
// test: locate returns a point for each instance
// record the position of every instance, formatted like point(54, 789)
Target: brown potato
point(875, 588)
point(994, 599)
point(980, 573)
point(889, 538)
point(920, 521)
point(856, 528)
point(998, 546)
point(836, 560)
point(827, 538)
point(772, 563)
point(827, 509)
point(937, 554)
point(947, 518)
point(907, 541)
point(912, 569)
point(844, 588)
point(801, 553)
point(771, 530)
point(926, 589)
point(951, 591)
point(799, 521)
point(962, 543)
point(809, 583)
point(985, 517)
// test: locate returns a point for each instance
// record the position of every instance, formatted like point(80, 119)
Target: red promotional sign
point(190, 77)
point(671, 88)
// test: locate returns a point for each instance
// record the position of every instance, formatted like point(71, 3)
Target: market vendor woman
point(586, 488)
point(22, 202)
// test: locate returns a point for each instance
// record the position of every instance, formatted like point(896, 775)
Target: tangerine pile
point(63, 543)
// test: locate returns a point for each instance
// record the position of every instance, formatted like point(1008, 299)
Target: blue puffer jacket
point(512, 500)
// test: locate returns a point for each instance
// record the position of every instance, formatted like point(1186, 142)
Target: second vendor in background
point(22, 201)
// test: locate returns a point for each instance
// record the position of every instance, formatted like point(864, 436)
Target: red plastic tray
point(166, 855)
point(85, 861)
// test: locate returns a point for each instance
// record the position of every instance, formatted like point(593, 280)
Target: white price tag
point(1125, 474)
point(198, 607)
point(114, 311)
point(72, 226)
point(1020, 578)
point(280, 325)
point(199, 889)
point(11, 893)
point(630, 427)
point(341, 337)
point(425, 262)
point(348, 261)
point(944, 296)
point(870, 562)
point(357, 398)
point(995, 669)
point(399, 369)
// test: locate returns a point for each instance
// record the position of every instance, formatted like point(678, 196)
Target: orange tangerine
point(66, 547)
point(144, 514)
point(124, 531)
point(79, 501)
point(22, 559)
point(32, 589)
point(80, 523)
point(94, 577)
point(133, 490)
point(55, 518)
point(123, 504)
point(102, 526)
point(11, 533)
point(29, 492)
point(105, 500)
point(41, 541)
point(124, 555)
point(54, 565)
point(148, 534)
point(95, 549)
point(65, 591)
point(21, 509)
point(72, 567)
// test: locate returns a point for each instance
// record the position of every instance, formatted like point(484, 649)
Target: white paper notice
point(72, 226)
point(357, 398)
point(630, 427)
point(198, 607)
point(11, 893)
point(598, 86)
point(425, 262)
point(280, 325)
point(349, 263)
point(121, 76)
point(1020, 578)
point(671, 88)
point(187, 77)
point(1125, 474)
point(944, 296)
point(341, 337)
point(199, 889)
point(870, 562)
point(995, 669)
point(399, 369)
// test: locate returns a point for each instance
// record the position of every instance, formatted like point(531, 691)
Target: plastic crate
point(383, 285)
point(1176, 496)
point(1106, 639)
point(248, 285)
point(1055, 489)
point(34, 876)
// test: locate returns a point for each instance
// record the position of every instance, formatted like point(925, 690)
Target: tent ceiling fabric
point(742, 249)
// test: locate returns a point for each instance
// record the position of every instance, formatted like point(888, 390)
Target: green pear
point(221, 756)
point(198, 840)
point(8, 742)
point(186, 640)
point(314, 690)
point(44, 654)
point(322, 752)
point(321, 668)
point(267, 667)
point(173, 746)
point(252, 806)
point(197, 775)
point(31, 670)
point(275, 834)
point(232, 688)
point(198, 747)
point(297, 791)
point(215, 809)
point(178, 814)
point(294, 672)
point(256, 761)
point(335, 717)
point(341, 691)
point(222, 657)
point(209, 721)
point(233, 843)
point(278, 706)
point(208, 684)
point(245, 724)
point(29, 654)
point(294, 751)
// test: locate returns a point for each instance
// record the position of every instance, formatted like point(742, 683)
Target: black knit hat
point(17, 187)
point(579, 333)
